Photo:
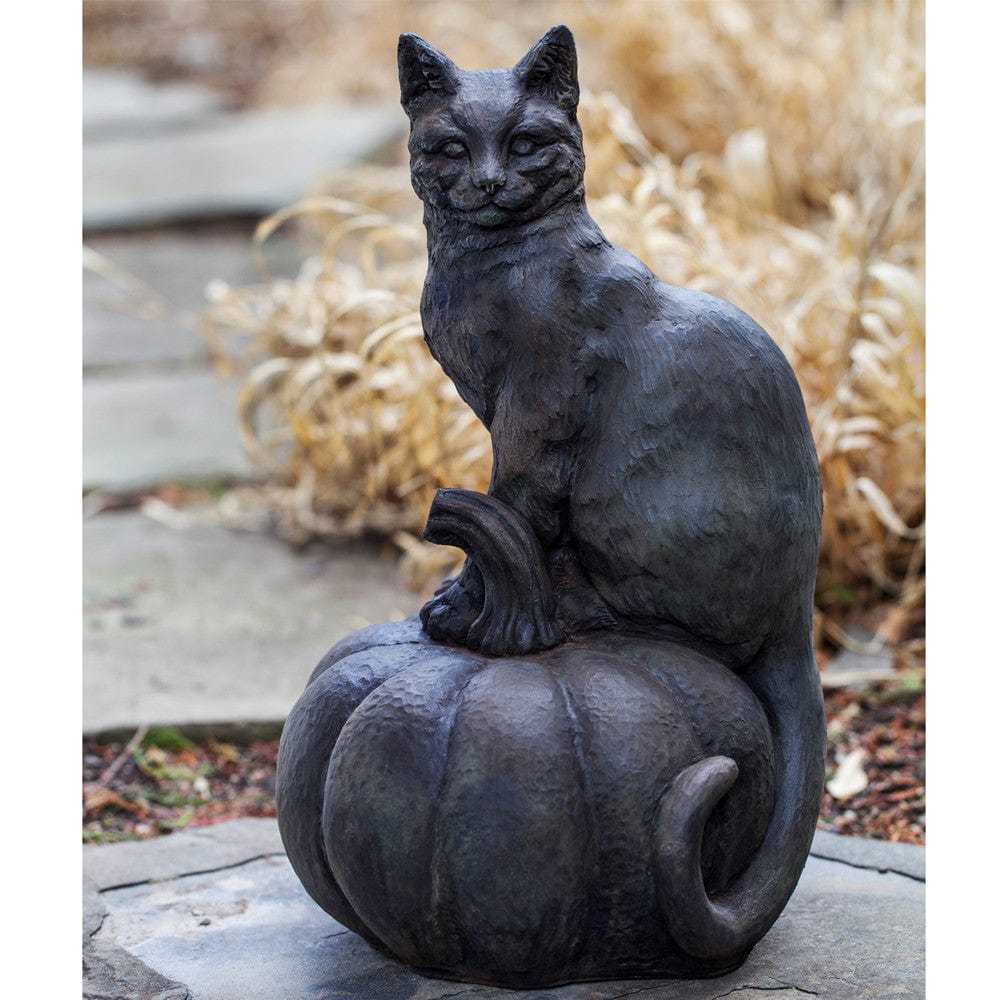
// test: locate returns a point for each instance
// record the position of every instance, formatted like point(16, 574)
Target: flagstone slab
point(147, 428)
point(246, 930)
point(205, 625)
point(144, 292)
point(120, 102)
point(251, 163)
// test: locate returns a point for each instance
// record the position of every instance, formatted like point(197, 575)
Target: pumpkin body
point(491, 818)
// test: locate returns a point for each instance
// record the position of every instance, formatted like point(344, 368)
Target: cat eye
point(522, 146)
point(453, 149)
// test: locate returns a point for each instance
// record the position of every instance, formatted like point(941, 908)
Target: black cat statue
point(598, 753)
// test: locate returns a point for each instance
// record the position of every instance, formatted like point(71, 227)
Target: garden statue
point(599, 752)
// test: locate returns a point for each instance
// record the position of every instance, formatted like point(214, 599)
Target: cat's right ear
point(423, 71)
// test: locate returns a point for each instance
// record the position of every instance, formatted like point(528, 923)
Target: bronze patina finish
point(599, 752)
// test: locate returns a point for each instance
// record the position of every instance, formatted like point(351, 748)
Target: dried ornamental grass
point(808, 215)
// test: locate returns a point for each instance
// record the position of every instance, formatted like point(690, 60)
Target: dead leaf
point(97, 798)
point(850, 778)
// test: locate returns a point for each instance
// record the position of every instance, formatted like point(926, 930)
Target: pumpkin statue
point(509, 819)
point(598, 753)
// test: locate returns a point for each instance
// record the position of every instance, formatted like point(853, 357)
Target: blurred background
point(264, 429)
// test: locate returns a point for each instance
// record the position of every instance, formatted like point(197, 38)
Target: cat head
point(498, 147)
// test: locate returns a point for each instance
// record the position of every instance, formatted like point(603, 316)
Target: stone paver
point(869, 663)
point(175, 265)
point(250, 163)
point(209, 625)
point(202, 849)
point(851, 669)
point(247, 931)
point(143, 429)
point(153, 411)
point(904, 859)
point(118, 102)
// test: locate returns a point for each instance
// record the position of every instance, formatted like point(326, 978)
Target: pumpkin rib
point(717, 740)
point(620, 915)
point(711, 735)
point(322, 710)
point(347, 845)
point(694, 714)
point(586, 794)
point(515, 774)
point(438, 876)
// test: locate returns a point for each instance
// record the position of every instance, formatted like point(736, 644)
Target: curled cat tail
point(727, 925)
point(518, 613)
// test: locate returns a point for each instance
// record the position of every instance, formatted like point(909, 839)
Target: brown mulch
point(888, 725)
point(168, 782)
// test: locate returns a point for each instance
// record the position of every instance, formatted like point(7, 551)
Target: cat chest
point(489, 299)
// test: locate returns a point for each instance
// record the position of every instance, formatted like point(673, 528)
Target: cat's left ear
point(550, 68)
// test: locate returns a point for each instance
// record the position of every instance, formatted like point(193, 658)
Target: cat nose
point(492, 182)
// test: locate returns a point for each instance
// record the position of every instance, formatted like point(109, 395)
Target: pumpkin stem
point(518, 614)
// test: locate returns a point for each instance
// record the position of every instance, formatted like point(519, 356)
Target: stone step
point(204, 624)
point(251, 163)
point(218, 913)
point(121, 103)
point(143, 292)
point(150, 428)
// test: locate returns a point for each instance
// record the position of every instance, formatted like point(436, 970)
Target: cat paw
point(448, 616)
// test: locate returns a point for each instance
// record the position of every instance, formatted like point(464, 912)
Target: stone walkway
point(153, 408)
point(207, 625)
point(195, 624)
point(217, 914)
point(167, 153)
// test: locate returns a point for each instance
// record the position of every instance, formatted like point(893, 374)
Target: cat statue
point(641, 572)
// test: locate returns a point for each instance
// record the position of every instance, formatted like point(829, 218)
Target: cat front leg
point(501, 603)
point(531, 466)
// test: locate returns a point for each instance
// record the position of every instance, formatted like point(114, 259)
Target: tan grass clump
point(774, 157)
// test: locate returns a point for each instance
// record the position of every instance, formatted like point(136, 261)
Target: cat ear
point(550, 68)
point(423, 70)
